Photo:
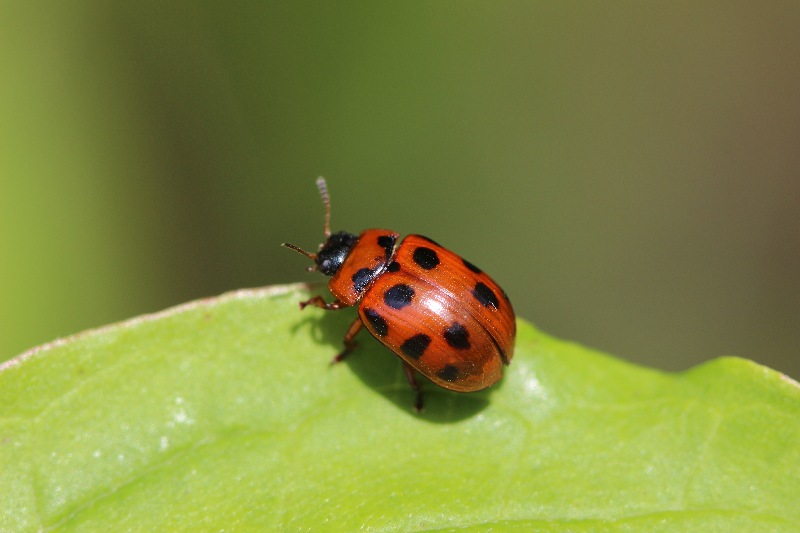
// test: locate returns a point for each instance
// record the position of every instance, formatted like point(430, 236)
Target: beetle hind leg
point(411, 376)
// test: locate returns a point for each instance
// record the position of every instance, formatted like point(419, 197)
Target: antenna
point(299, 250)
point(326, 201)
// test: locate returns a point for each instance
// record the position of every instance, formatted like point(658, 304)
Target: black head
point(334, 250)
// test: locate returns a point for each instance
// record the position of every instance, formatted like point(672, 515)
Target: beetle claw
point(419, 408)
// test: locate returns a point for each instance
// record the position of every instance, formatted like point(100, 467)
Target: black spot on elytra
point(425, 257)
point(387, 243)
point(485, 295)
point(376, 321)
point(457, 336)
point(394, 266)
point(361, 278)
point(398, 296)
point(415, 346)
point(448, 373)
point(471, 266)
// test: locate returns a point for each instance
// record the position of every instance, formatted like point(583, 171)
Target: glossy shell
point(366, 261)
point(440, 313)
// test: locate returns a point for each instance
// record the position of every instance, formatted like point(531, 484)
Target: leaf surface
point(225, 414)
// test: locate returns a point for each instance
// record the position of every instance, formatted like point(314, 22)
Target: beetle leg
point(411, 376)
point(317, 301)
point(349, 340)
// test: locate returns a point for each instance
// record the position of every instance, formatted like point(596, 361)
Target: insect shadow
point(381, 370)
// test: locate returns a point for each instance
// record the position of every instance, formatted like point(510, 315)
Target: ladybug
point(442, 315)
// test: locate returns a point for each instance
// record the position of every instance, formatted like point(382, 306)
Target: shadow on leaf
point(380, 369)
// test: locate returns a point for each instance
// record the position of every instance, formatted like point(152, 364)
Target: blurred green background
point(628, 171)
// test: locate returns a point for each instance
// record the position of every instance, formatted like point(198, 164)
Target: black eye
point(334, 252)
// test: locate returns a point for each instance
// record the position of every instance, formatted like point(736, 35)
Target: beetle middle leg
point(352, 331)
point(349, 340)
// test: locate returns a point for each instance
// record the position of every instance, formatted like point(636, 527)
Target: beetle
point(443, 316)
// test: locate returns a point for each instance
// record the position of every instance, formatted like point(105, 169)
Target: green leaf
point(225, 414)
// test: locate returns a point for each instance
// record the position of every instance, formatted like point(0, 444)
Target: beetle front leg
point(349, 340)
point(318, 301)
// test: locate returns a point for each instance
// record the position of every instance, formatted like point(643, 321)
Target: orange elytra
point(442, 315)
